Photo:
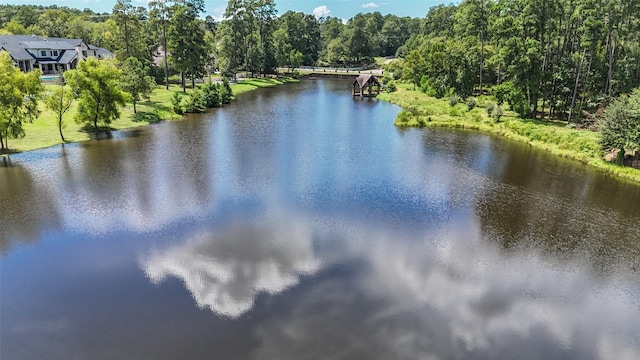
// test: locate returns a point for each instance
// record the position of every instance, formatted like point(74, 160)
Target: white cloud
point(370, 5)
point(345, 21)
point(321, 11)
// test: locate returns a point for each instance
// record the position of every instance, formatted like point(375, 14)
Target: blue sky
point(343, 9)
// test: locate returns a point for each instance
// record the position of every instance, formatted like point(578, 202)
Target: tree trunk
point(575, 87)
point(481, 45)
point(135, 111)
point(126, 35)
point(60, 128)
point(182, 82)
point(1, 142)
point(586, 81)
point(607, 87)
point(193, 78)
point(166, 64)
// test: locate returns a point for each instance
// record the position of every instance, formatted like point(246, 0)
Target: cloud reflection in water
point(225, 271)
point(445, 294)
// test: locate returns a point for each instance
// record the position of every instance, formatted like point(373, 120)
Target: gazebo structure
point(366, 85)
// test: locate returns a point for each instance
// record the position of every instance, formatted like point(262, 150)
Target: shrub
point(491, 106)
point(195, 102)
point(397, 74)
point(508, 92)
point(454, 99)
point(471, 102)
point(226, 94)
point(404, 116)
point(391, 87)
point(176, 103)
point(498, 113)
point(211, 95)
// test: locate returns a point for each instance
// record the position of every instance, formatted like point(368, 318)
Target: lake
point(299, 223)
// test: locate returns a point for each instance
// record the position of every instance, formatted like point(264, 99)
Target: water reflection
point(27, 207)
point(559, 212)
point(380, 294)
point(280, 231)
point(225, 270)
point(451, 298)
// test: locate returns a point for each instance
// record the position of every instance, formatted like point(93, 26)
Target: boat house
point(365, 85)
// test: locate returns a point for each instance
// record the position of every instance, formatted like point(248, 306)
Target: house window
point(84, 53)
point(50, 67)
point(43, 53)
point(54, 52)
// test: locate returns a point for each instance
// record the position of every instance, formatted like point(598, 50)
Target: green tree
point(186, 39)
point(52, 23)
point(159, 16)
point(96, 83)
point(15, 28)
point(620, 127)
point(414, 68)
point(358, 44)
point(59, 101)
point(130, 33)
point(295, 58)
point(19, 95)
point(135, 80)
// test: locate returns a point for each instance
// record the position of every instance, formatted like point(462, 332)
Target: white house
point(50, 55)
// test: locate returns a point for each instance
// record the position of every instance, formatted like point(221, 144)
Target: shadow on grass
point(150, 117)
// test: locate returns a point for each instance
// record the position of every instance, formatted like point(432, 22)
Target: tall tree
point(59, 101)
point(621, 124)
point(129, 20)
point(135, 80)
point(186, 39)
point(159, 16)
point(97, 84)
point(19, 95)
point(414, 68)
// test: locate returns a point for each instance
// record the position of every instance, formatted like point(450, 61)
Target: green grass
point(43, 132)
point(555, 137)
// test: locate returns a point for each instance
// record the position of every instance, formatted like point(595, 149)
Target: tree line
point(557, 59)
point(251, 37)
point(565, 59)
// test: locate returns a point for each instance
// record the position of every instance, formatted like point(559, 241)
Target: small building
point(50, 55)
point(366, 85)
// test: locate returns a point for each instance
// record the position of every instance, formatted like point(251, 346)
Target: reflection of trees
point(225, 271)
point(27, 208)
point(136, 181)
point(558, 207)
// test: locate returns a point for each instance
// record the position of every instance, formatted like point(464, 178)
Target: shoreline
point(43, 132)
point(420, 110)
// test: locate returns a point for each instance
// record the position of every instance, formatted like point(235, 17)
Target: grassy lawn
point(43, 132)
point(555, 137)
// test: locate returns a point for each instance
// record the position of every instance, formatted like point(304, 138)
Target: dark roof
point(363, 79)
point(47, 44)
point(67, 57)
point(17, 53)
point(104, 53)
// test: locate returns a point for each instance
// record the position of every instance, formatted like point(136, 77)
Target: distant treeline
point(555, 58)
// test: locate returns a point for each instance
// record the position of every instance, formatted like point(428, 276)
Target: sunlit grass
point(555, 137)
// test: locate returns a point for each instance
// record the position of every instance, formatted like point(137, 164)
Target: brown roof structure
point(366, 82)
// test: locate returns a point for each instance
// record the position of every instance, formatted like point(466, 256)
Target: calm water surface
point(298, 223)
